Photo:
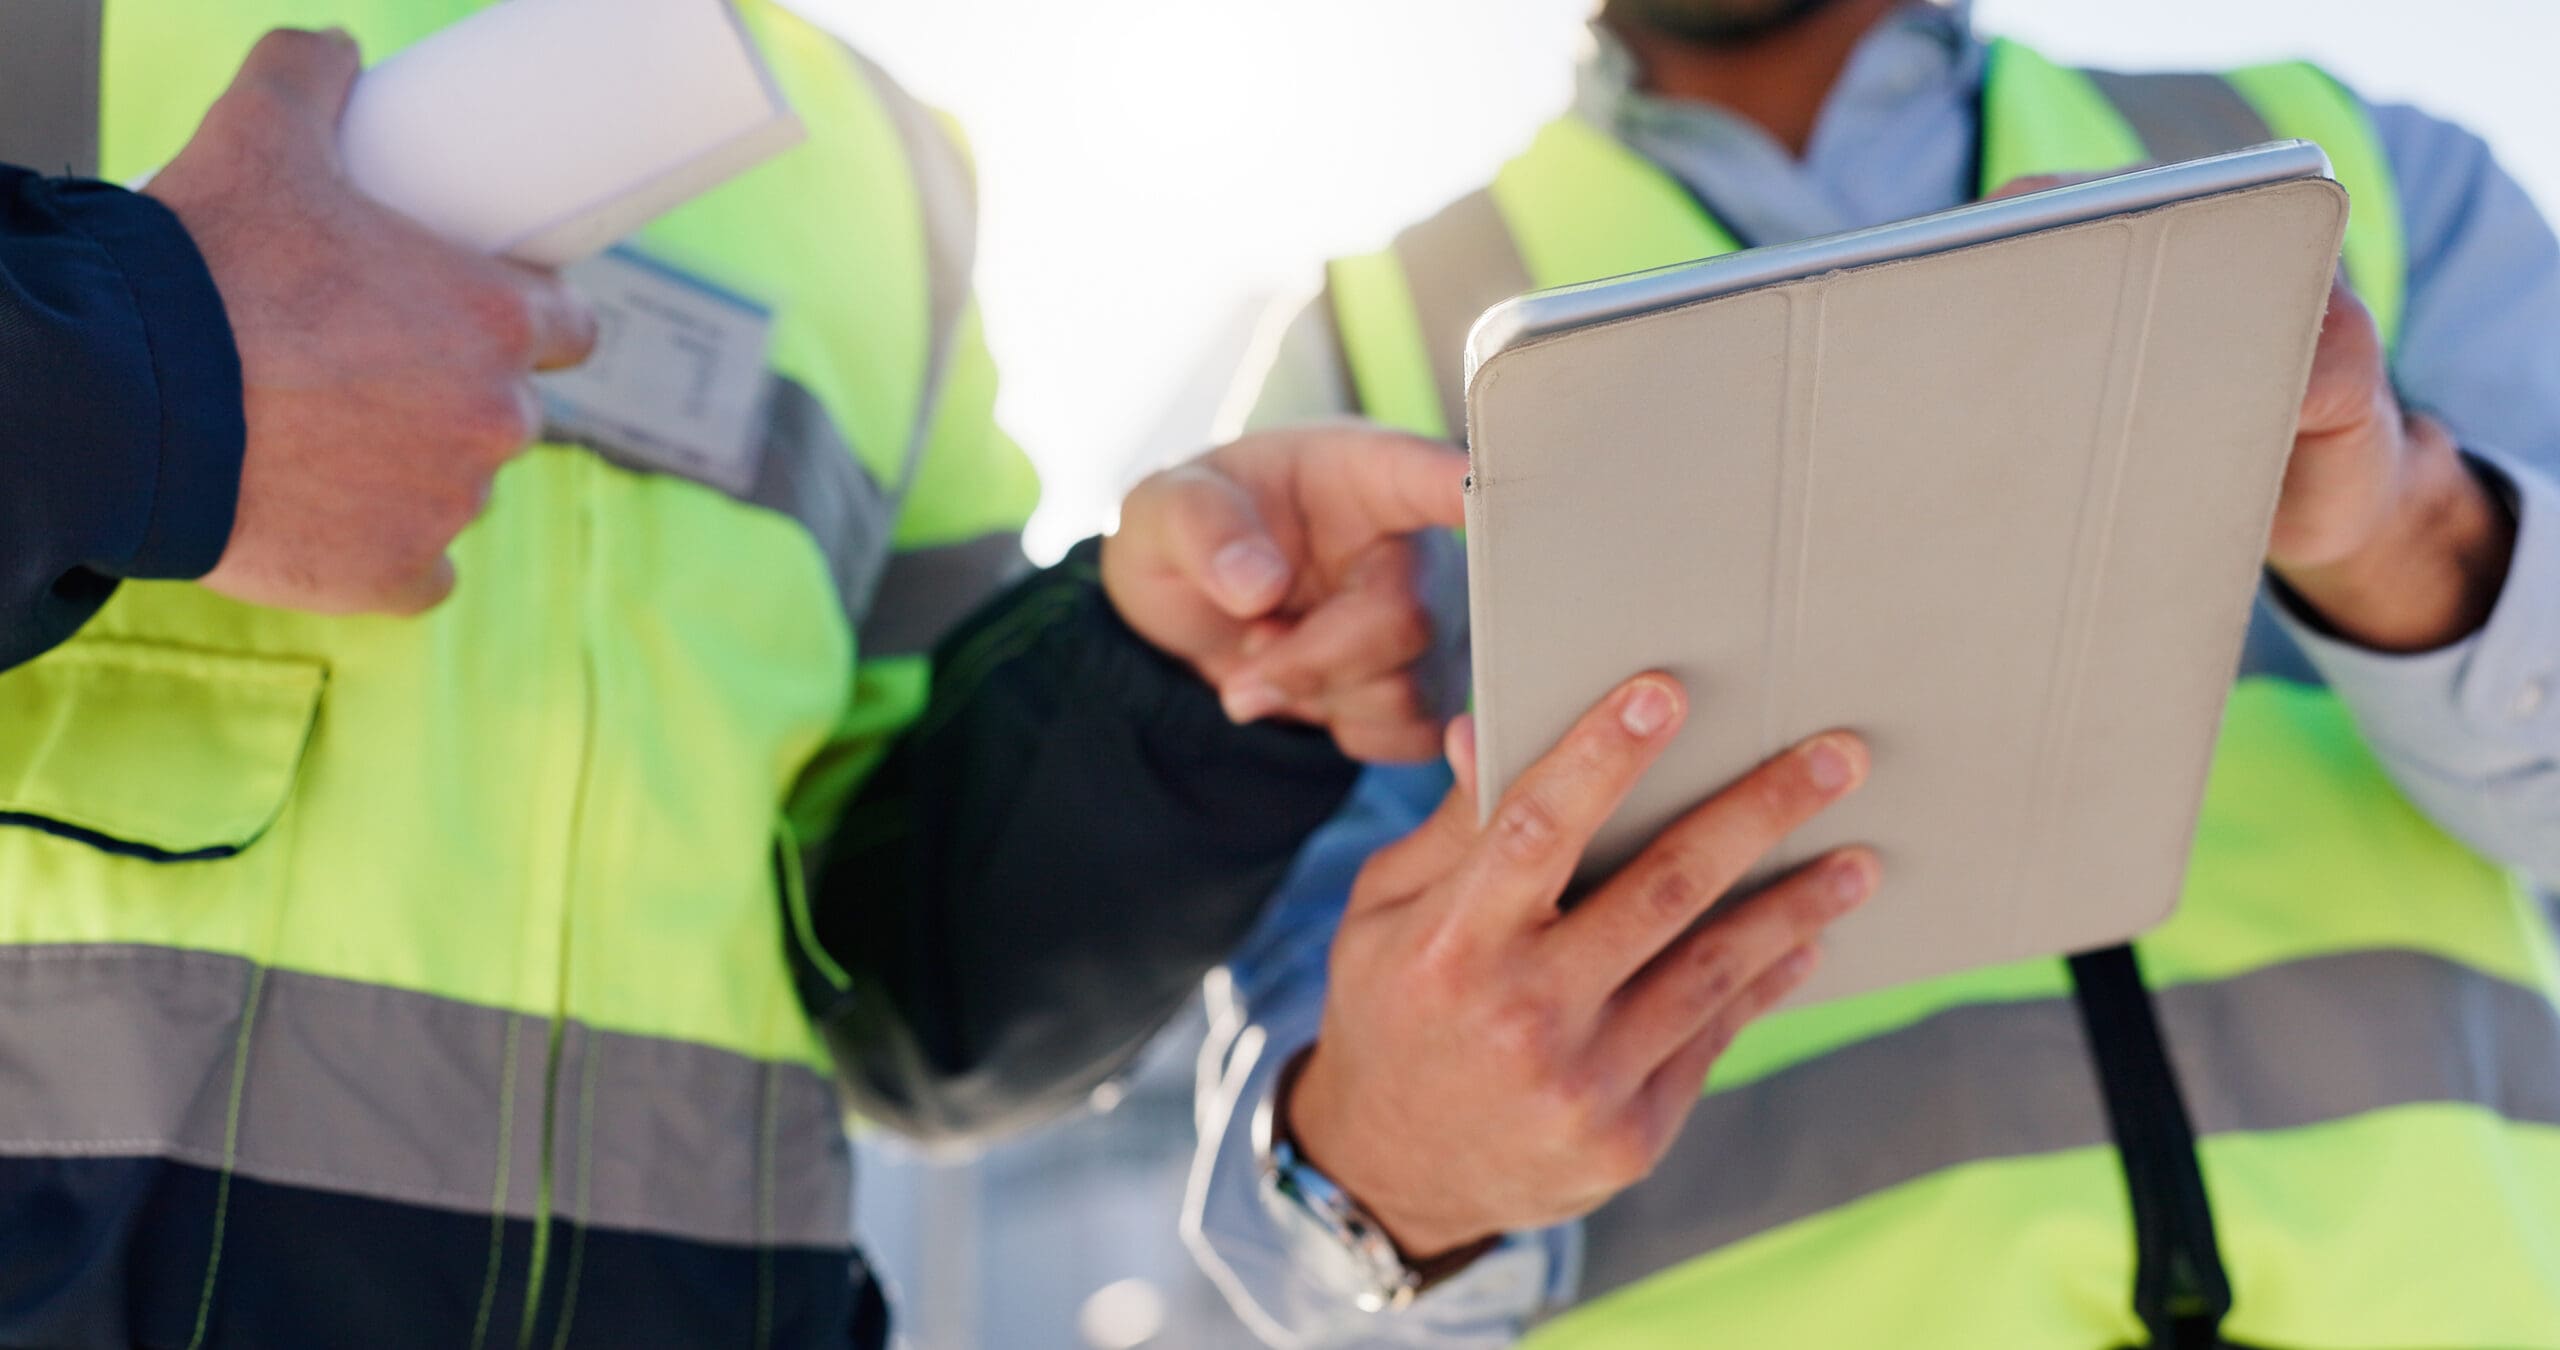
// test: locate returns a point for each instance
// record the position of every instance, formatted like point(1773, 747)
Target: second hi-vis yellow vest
point(2361, 1013)
point(478, 921)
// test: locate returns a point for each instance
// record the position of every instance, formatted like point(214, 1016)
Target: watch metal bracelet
point(1383, 1278)
point(1384, 1281)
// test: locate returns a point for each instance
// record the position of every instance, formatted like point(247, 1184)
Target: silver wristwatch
point(1341, 1243)
point(1331, 1236)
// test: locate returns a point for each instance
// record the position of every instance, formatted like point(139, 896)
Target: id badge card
point(677, 384)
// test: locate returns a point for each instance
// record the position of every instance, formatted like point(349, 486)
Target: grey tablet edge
point(1529, 318)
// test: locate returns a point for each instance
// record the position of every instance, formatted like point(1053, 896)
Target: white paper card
point(546, 130)
point(677, 382)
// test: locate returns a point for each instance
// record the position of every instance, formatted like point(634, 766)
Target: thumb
point(2350, 378)
point(1210, 533)
point(305, 78)
point(1460, 745)
point(1437, 846)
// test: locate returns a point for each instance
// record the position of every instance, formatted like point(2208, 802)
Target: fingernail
point(1846, 882)
point(1647, 711)
point(1252, 700)
point(1250, 569)
point(1797, 964)
point(1827, 764)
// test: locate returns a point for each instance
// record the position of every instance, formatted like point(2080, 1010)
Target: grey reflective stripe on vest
point(821, 482)
point(2315, 1040)
point(49, 85)
point(1457, 265)
point(926, 592)
point(2181, 116)
point(811, 471)
point(811, 474)
point(808, 471)
point(358, 1089)
point(947, 192)
point(909, 598)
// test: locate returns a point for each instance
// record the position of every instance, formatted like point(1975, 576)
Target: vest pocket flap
point(163, 752)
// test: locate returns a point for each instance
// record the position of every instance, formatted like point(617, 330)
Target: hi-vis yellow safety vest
point(369, 981)
point(2358, 1013)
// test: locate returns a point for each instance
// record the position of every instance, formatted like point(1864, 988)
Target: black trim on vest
point(107, 843)
point(2179, 1288)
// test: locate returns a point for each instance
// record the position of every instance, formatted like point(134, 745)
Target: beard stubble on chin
point(1717, 23)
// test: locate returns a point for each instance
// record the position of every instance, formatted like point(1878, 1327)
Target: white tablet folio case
point(2001, 509)
point(546, 130)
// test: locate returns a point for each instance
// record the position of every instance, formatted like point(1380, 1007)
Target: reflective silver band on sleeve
point(49, 52)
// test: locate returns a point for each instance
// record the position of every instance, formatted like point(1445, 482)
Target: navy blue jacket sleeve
point(120, 408)
point(1036, 877)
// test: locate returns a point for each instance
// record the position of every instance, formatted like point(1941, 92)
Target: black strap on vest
point(49, 85)
point(2179, 1289)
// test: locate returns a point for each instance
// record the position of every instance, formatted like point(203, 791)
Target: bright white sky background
point(1155, 171)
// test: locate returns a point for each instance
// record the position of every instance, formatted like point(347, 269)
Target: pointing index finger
point(1400, 483)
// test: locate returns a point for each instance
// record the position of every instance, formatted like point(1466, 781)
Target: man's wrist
point(2433, 571)
point(1433, 1253)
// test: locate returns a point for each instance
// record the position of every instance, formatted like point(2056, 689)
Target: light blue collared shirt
point(2471, 732)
